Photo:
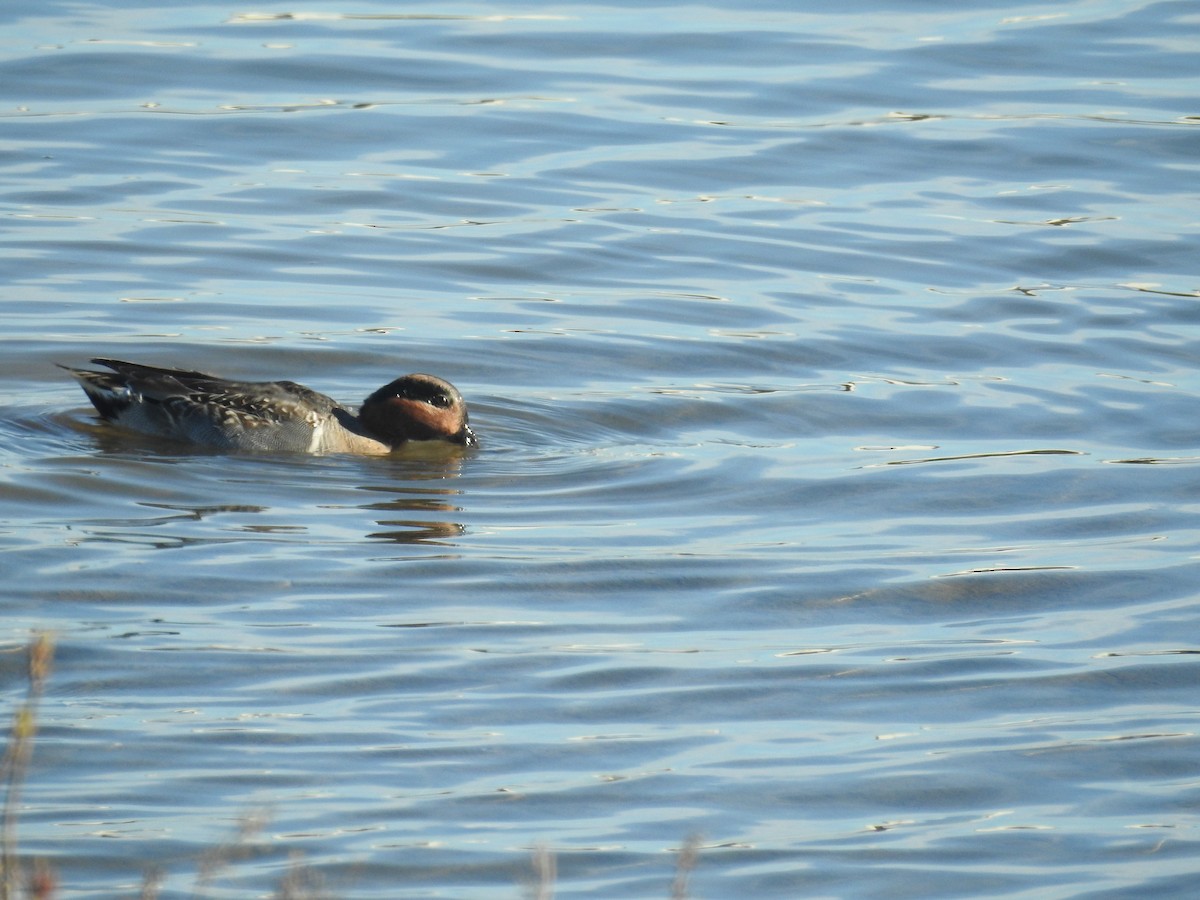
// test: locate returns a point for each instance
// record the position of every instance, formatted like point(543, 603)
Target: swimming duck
point(274, 416)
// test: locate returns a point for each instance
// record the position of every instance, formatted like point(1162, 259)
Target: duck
point(274, 416)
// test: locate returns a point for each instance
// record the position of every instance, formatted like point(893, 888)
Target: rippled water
point(836, 378)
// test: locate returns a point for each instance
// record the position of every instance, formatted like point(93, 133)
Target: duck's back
point(270, 416)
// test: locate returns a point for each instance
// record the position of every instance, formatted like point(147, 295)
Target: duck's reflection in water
point(421, 503)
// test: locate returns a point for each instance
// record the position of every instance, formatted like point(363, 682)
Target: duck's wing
point(217, 412)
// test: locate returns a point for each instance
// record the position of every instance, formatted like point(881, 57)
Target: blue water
point(835, 373)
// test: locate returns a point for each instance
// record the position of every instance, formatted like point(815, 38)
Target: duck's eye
point(441, 401)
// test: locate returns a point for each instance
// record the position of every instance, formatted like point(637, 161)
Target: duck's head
point(418, 408)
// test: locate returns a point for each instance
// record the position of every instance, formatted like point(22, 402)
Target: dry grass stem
point(685, 862)
point(13, 770)
point(250, 826)
point(545, 873)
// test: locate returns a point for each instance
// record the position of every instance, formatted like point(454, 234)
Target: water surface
point(835, 373)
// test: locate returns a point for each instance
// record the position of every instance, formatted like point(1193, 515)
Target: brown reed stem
point(16, 762)
point(545, 873)
point(685, 862)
